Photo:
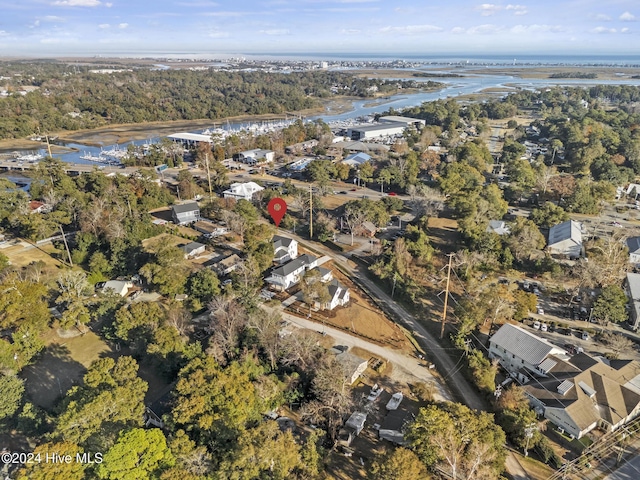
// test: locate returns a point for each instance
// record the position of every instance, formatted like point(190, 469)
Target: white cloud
point(217, 34)
point(411, 29)
point(603, 18)
point(35, 24)
point(275, 31)
point(52, 18)
point(603, 30)
point(484, 29)
point(123, 25)
point(4, 33)
point(77, 3)
point(535, 28)
point(457, 30)
point(517, 9)
point(628, 17)
point(108, 4)
point(350, 31)
point(104, 26)
point(487, 9)
point(196, 4)
point(625, 30)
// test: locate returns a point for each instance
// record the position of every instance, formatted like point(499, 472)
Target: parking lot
point(564, 319)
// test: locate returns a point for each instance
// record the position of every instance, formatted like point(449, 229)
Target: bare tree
point(227, 319)
point(300, 349)
point(354, 217)
point(267, 324)
point(617, 342)
point(332, 396)
point(179, 318)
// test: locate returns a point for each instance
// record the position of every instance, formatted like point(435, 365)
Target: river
point(454, 87)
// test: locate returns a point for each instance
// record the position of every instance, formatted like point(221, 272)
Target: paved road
point(628, 471)
point(446, 366)
point(410, 366)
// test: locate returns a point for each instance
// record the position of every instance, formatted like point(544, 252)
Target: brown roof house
point(577, 393)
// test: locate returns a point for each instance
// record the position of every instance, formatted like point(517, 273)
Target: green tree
point(168, 268)
point(549, 215)
point(262, 452)
point(112, 398)
point(610, 306)
point(46, 470)
point(458, 441)
point(398, 464)
point(137, 454)
point(11, 390)
point(202, 286)
point(524, 239)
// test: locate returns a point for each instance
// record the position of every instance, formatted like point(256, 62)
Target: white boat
point(395, 401)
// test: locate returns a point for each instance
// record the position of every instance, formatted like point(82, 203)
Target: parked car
point(540, 311)
point(543, 327)
point(584, 335)
point(536, 325)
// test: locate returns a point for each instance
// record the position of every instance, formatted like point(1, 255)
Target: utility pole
point(528, 433)
point(66, 245)
point(446, 298)
point(206, 159)
point(310, 211)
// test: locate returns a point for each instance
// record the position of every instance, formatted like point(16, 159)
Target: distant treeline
point(72, 98)
point(588, 75)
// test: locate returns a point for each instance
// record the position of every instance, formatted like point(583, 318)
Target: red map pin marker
point(277, 207)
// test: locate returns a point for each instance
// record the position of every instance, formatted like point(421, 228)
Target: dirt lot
point(361, 317)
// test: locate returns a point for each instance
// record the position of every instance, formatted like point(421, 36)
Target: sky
point(308, 27)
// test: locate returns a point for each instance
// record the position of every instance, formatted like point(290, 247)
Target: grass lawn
point(61, 365)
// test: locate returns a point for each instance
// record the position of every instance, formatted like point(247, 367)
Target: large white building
point(375, 130)
point(566, 239)
point(242, 190)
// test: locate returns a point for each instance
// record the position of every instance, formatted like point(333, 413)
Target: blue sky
point(394, 27)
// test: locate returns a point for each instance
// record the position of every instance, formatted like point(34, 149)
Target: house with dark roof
point(394, 425)
point(185, 213)
point(633, 243)
point(287, 275)
point(566, 239)
point(632, 289)
point(192, 249)
point(284, 249)
point(577, 393)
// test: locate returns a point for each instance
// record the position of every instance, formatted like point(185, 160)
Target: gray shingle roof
point(294, 265)
point(568, 230)
point(525, 345)
point(279, 241)
point(185, 207)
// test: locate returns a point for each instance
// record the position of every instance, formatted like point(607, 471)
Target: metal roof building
point(516, 349)
point(566, 239)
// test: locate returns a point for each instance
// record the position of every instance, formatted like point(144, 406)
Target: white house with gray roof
point(566, 239)
point(287, 275)
point(518, 350)
point(185, 213)
point(285, 249)
point(242, 190)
